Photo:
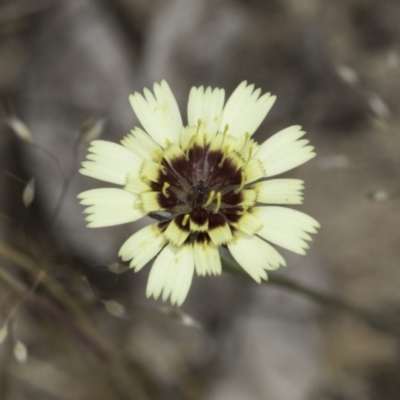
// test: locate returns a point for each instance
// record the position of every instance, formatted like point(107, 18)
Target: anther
point(164, 189)
point(210, 198)
point(242, 182)
point(185, 219)
point(219, 196)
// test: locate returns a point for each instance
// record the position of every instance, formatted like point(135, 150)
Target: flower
point(207, 182)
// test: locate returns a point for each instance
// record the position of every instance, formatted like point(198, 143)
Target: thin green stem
point(67, 181)
point(52, 156)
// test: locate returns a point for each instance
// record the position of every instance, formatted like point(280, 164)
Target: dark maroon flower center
point(204, 184)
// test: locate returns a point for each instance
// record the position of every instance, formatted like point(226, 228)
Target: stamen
point(164, 189)
point(210, 198)
point(199, 122)
point(224, 155)
point(248, 157)
point(225, 131)
point(158, 154)
point(244, 210)
point(199, 138)
point(185, 219)
point(246, 139)
point(250, 154)
point(192, 140)
point(218, 202)
point(162, 168)
point(224, 134)
point(242, 182)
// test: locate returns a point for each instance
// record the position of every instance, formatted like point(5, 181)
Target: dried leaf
point(29, 193)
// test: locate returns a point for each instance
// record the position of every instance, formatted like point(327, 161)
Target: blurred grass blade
point(114, 308)
point(347, 74)
point(20, 352)
point(92, 127)
point(28, 194)
point(117, 268)
point(379, 107)
point(181, 317)
point(4, 332)
point(379, 196)
point(19, 128)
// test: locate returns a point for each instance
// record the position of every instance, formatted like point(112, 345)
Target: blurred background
point(75, 324)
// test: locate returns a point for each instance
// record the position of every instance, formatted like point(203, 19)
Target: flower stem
point(326, 299)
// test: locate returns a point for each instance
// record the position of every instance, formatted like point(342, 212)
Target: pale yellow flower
point(209, 179)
